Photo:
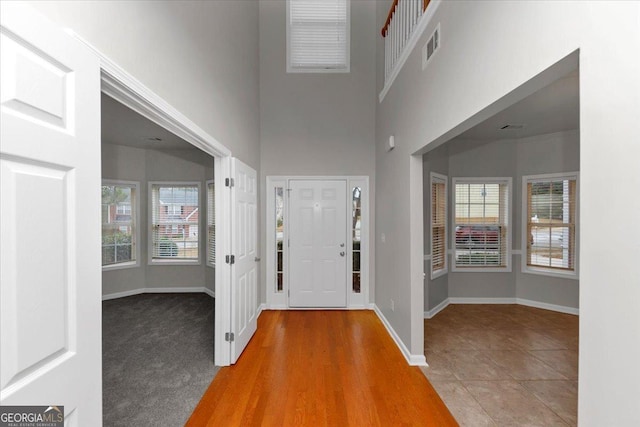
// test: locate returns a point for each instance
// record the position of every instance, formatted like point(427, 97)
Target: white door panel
point(244, 272)
point(318, 224)
point(50, 274)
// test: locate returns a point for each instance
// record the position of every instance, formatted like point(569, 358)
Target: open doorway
point(158, 280)
point(501, 230)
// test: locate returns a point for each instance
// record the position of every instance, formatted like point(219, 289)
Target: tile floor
point(504, 365)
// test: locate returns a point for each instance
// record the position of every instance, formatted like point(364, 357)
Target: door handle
point(341, 253)
point(256, 259)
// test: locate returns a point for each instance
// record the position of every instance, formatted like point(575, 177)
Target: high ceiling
point(123, 126)
point(553, 108)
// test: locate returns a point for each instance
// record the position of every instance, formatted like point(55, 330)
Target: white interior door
point(50, 273)
point(317, 243)
point(244, 268)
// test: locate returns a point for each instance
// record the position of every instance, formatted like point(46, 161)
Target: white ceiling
point(123, 126)
point(553, 108)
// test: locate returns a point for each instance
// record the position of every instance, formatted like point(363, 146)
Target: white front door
point(317, 243)
point(244, 271)
point(50, 273)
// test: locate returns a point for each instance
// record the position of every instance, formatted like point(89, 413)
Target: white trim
point(135, 206)
point(303, 70)
point(437, 309)
point(520, 301)
point(411, 44)
point(547, 306)
point(508, 223)
point(540, 270)
point(166, 261)
point(412, 359)
point(428, 257)
point(516, 252)
point(261, 308)
point(170, 290)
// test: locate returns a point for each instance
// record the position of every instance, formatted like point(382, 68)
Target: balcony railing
point(401, 25)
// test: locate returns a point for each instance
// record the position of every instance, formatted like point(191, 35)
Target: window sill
point(541, 271)
point(174, 262)
point(481, 270)
point(438, 273)
point(120, 266)
point(211, 265)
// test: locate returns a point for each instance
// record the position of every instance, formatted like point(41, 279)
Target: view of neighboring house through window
point(356, 226)
point(551, 207)
point(438, 225)
point(318, 35)
point(119, 204)
point(482, 231)
point(175, 218)
point(211, 224)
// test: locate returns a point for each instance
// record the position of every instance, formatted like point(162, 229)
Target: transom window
point(175, 221)
point(318, 35)
point(119, 222)
point(550, 207)
point(482, 233)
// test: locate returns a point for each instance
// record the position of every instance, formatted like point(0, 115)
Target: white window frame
point(135, 214)
point(508, 223)
point(436, 178)
point(347, 69)
point(151, 259)
point(544, 271)
point(208, 224)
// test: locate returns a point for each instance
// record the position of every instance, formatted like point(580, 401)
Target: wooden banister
point(394, 6)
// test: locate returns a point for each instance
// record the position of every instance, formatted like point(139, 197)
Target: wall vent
point(431, 47)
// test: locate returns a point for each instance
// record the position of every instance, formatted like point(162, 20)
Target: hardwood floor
point(333, 368)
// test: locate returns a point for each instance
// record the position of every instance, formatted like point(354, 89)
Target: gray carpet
point(157, 358)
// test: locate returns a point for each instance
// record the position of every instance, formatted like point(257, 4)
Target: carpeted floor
point(157, 358)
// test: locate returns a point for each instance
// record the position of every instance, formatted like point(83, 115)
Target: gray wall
point(551, 153)
point(316, 123)
point(144, 165)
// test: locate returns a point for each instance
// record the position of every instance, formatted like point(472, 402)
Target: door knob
point(341, 253)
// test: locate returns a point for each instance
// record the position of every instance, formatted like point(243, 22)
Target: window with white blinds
point(550, 210)
point(211, 224)
point(175, 221)
point(318, 33)
point(438, 225)
point(482, 232)
point(119, 223)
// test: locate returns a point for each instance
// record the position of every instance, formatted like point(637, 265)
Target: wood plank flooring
point(314, 368)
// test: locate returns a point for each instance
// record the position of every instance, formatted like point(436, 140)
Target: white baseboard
point(546, 306)
point(172, 290)
point(261, 307)
point(530, 303)
point(464, 300)
point(437, 309)
point(412, 359)
point(209, 292)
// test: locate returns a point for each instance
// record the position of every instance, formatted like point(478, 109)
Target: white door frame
point(124, 88)
point(278, 300)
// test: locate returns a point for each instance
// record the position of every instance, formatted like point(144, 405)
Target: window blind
point(175, 221)
point(318, 34)
point(551, 222)
point(211, 223)
point(438, 225)
point(481, 221)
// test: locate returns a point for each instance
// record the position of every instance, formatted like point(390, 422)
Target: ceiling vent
point(431, 47)
point(511, 127)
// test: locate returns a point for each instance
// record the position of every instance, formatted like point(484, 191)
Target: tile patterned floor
point(504, 365)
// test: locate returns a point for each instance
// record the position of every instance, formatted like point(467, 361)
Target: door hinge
point(230, 259)
point(228, 182)
point(229, 336)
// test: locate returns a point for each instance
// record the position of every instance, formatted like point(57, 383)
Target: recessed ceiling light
point(510, 126)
